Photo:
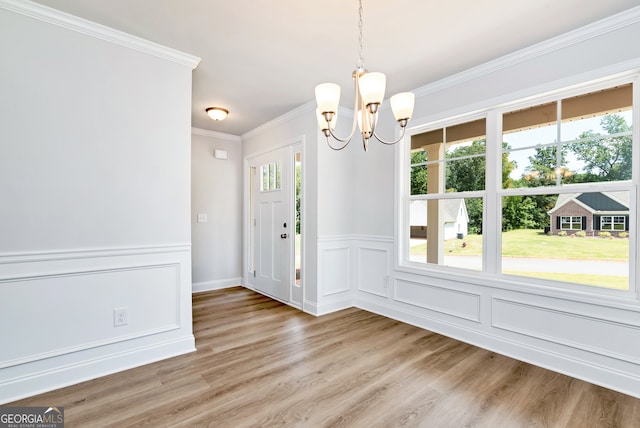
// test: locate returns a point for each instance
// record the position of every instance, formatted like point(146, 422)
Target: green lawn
point(534, 243)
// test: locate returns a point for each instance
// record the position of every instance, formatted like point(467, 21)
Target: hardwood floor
point(261, 363)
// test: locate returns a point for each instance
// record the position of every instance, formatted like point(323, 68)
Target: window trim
point(612, 223)
point(571, 222)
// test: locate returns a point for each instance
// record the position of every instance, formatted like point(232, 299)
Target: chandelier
point(369, 93)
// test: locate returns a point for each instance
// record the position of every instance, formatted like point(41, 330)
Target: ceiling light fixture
point(217, 113)
point(369, 88)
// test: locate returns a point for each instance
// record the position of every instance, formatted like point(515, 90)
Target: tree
point(468, 174)
point(605, 158)
point(518, 212)
point(543, 167)
point(462, 175)
point(526, 211)
point(418, 173)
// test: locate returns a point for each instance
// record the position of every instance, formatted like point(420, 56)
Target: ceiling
point(263, 58)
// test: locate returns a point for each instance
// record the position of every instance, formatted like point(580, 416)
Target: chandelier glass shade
point(369, 94)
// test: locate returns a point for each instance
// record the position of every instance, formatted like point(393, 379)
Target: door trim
point(247, 277)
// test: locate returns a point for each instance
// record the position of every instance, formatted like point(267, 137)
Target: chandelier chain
point(361, 59)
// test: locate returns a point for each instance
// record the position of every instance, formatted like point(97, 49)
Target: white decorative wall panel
point(373, 270)
point(448, 301)
point(335, 270)
point(78, 309)
point(57, 321)
point(609, 338)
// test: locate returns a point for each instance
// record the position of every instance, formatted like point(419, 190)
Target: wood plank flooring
point(262, 364)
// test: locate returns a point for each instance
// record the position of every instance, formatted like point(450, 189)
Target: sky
point(569, 131)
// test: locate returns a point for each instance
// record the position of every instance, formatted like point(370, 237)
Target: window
point(298, 214)
point(545, 198)
point(271, 177)
point(447, 186)
point(609, 222)
point(571, 223)
point(580, 139)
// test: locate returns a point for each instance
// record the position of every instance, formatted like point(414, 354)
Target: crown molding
point(298, 111)
point(216, 134)
point(598, 28)
point(99, 31)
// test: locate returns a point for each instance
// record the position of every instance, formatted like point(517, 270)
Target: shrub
point(604, 234)
point(562, 233)
point(581, 234)
point(623, 234)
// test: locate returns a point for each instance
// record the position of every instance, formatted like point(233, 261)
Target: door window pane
point(271, 177)
point(298, 213)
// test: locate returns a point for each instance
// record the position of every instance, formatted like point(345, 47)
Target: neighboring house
point(592, 212)
point(456, 218)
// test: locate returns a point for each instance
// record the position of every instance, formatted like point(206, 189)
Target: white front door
point(273, 227)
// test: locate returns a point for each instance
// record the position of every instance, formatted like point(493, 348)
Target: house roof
point(596, 202)
point(451, 207)
point(601, 202)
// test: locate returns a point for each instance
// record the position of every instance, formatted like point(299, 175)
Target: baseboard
point(310, 307)
point(591, 372)
point(218, 284)
point(327, 307)
point(70, 374)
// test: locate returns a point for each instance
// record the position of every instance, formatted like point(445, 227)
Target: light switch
point(203, 218)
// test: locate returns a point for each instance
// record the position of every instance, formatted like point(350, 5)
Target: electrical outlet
point(203, 218)
point(120, 317)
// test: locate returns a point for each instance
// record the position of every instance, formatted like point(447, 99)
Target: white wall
point(584, 336)
point(216, 190)
point(95, 191)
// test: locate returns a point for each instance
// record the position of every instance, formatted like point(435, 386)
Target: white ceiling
point(262, 58)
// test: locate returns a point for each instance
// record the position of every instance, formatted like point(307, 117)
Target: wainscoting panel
point(373, 270)
point(335, 270)
point(447, 301)
point(579, 331)
point(336, 274)
point(57, 314)
point(91, 296)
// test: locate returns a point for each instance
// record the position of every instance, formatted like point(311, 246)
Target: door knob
point(283, 236)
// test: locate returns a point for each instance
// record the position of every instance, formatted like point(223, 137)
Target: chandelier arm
point(341, 140)
point(337, 148)
point(390, 143)
point(348, 138)
point(356, 100)
point(374, 121)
